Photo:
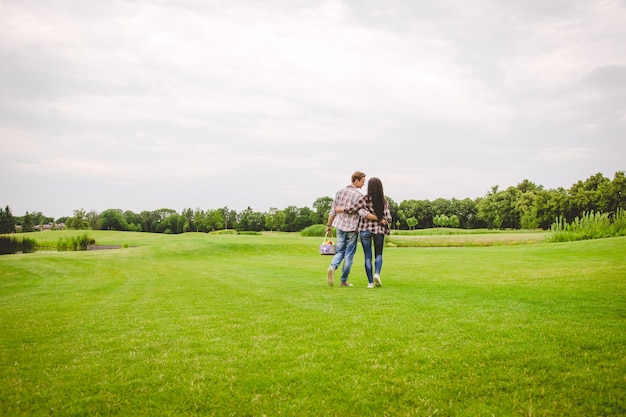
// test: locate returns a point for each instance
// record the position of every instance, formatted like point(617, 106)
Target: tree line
point(524, 206)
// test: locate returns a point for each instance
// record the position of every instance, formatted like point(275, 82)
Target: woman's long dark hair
point(376, 194)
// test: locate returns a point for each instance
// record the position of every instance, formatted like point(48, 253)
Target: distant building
point(43, 228)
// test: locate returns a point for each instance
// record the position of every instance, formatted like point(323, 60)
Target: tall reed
point(590, 225)
point(75, 243)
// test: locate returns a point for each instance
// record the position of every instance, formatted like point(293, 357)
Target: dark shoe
point(345, 284)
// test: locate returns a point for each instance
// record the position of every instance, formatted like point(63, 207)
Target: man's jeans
point(379, 242)
point(345, 249)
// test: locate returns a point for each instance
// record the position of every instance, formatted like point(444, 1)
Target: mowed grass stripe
point(245, 325)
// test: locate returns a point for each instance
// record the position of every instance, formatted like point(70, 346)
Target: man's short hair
point(357, 175)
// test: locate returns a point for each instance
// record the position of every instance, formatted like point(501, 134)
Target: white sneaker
point(377, 280)
point(370, 285)
point(330, 276)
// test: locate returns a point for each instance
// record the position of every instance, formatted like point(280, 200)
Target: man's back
point(346, 197)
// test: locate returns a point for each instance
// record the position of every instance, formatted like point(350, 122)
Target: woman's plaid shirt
point(364, 206)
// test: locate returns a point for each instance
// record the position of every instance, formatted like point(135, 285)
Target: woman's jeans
point(379, 242)
point(345, 249)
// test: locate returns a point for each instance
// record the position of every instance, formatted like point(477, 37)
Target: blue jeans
point(345, 249)
point(379, 242)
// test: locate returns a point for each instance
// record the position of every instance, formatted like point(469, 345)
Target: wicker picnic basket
point(328, 247)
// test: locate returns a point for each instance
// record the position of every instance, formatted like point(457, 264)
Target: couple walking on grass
point(356, 215)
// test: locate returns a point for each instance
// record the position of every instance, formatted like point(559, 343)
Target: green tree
point(149, 221)
point(93, 220)
point(586, 196)
point(230, 218)
point(290, 214)
point(528, 186)
point(498, 208)
point(551, 205)
point(421, 210)
point(614, 197)
point(275, 219)
point(113, 219)
point(527, 207)
point(526, 204)
point(446, 221)
point(173, 223)
point(322, 206)
point(440, 220)
point(466, 211)
point(79, 221)
point(27, 223)
point(7, 221)
point(189, 215)
point(305, 218)
point(453, 221)
point(507, 204)
point(250, 220)
point(488, 210)
point(165, 224)
point(200, 221)
point(441, 206)
point(214, 220)
point(132, 218)
point(393, 209)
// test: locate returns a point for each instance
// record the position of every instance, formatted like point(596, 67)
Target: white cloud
point(571, 155)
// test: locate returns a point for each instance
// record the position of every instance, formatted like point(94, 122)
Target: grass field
point(228, 325)
point(462, 238)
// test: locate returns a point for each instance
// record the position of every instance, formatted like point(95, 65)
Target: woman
point(373, 226)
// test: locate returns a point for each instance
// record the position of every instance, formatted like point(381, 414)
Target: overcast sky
point(141, 105)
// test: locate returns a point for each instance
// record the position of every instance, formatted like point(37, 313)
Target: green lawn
point(450, 239)
point(197, 324)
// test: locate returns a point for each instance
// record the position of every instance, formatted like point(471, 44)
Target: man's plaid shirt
point(346, 197)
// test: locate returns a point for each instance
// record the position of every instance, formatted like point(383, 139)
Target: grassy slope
point(246, 325)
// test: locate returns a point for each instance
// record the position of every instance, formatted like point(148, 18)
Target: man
point(346, 226)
